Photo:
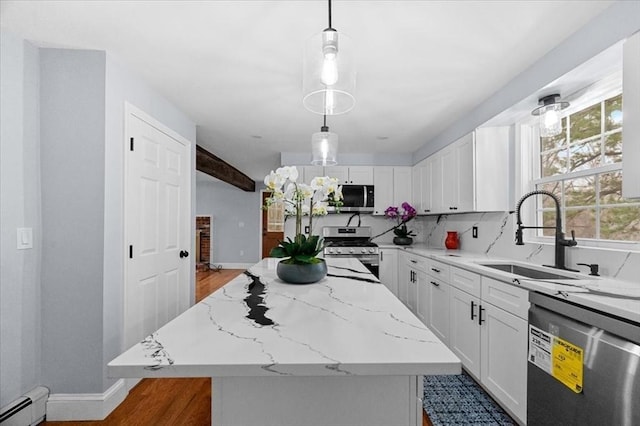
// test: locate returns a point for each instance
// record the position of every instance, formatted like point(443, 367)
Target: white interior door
point(158, 226)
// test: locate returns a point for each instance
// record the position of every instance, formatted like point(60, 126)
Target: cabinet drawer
point(506, 296)
point(417, 262)
point(466, 281)
point(438, 270)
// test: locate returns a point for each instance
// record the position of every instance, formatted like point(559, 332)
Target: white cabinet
point(351, 175)
point(307, 173)
point(472, 174)
point(416, 276)
point(421, 186)
point(489, 334)
point(631, 125)
point(389, 269)
point(404, 275)
point(434, 305)
point(392, 186)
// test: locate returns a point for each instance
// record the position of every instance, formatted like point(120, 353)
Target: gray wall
point(230, 207)
point(20, 207)
point(63, 129)
point(72, 112)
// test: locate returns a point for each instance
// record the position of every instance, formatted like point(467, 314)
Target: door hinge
point(130, 252)
point(131, 144)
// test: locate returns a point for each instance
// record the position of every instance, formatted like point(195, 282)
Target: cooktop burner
point(350, 243)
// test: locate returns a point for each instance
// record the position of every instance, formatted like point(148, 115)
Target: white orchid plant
point(301, 200)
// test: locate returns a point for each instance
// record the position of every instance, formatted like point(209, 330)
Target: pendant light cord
point(330, 14)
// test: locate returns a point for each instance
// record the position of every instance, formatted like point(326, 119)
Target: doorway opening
point(203, 243)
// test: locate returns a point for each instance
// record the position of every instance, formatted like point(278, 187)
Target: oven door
point(370, 261)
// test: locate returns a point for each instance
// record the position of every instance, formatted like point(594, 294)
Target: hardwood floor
point(172, 402)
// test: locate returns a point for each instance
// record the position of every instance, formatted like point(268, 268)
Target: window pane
point(585, 123)
point(555, 188)
point(620, 223)
point(549, 219)
point(613, 113)
point(553, 163)
point(613, 148)
point(580, 191)
point(585, 155)
point(611, 189)
point(582, 222)
point(554, 142)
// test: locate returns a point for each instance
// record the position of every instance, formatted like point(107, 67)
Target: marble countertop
point(615, 297)
point(346, 324)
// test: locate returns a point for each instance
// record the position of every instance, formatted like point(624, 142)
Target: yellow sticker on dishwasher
point(566, 363)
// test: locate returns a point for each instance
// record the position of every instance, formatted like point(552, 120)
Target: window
point(582, 166)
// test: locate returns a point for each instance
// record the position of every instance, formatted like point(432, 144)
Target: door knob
point(184, 253)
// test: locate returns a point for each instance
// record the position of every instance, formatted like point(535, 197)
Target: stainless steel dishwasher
point(584, 366)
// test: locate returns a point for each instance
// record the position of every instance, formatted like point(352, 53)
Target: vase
point(452, 242)
point(301, 273)
point(402, 241)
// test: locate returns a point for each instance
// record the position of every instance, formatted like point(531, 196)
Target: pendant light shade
point(549, 113)
point(324, 147)
point(329, 73)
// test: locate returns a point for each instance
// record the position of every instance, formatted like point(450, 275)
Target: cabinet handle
point(413, 261)
point(473, 314)
point(480, 320)
point(381, 256)
point(435, 270)
point(435, 283)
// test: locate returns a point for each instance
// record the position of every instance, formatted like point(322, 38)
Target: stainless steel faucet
point(561, 242)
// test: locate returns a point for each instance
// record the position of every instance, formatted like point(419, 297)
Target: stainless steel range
point(351, 241)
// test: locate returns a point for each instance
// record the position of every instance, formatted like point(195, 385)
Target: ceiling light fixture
point(329, 73)
point(324, 147)
point(549, 113)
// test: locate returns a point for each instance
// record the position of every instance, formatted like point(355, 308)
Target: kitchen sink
point(523, 271)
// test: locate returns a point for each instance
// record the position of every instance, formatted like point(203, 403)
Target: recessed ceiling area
point(235, 67)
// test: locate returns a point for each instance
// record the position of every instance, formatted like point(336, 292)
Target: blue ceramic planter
point(301, 274)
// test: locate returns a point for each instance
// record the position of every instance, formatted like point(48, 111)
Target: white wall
point(20, 202)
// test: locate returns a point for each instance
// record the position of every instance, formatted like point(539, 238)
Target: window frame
point(530, 168)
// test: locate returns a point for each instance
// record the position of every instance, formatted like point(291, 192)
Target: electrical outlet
point(474, 232)
point(306, 229)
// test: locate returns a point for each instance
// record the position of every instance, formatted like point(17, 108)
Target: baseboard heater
point(28, 410)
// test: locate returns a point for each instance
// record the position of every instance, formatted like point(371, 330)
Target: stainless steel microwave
point(356, 198)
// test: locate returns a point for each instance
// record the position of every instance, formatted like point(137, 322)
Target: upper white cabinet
point(307, 173)
point(472, 174)
point(351, 175)
point(631, 125)
point(393, 187)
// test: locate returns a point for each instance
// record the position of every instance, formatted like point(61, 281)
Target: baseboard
point(86, 406)
point(233, 265)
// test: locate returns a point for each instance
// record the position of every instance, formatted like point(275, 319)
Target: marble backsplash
point(496, 232)
point(496, 237)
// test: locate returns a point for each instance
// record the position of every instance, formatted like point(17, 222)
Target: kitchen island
point(342, 351)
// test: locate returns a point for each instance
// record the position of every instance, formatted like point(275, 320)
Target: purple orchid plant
point(401, 215)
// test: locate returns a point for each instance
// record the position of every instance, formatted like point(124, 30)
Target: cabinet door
point(412, 289)
point(630, 108)
point(467, 281)
point(426, 190)
point(339, 172)
point(465, 166)
point(504, 358)
point(404, 276)
point(449, 164)
point(437, 182)
point(464, 338)
point(307, 173)
point(389, 269)
point(438, 313)
point(361, 175)
point(383, 182)
point(423, 305)
point(416, 187)
point(401, 185)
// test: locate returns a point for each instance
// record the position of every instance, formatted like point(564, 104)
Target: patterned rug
point(459, 400)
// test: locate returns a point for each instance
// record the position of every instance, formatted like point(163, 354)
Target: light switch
point(25, 238)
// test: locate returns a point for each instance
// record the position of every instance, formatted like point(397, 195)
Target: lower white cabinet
point(389, 269)
point(436, 316)
point(489, 335)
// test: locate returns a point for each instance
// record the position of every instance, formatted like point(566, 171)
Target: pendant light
point(329, 72)
point(549, 113)
point(324, 147)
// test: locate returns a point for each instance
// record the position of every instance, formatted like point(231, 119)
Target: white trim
point(85, 406)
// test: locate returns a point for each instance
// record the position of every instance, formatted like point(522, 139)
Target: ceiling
point(234, 67)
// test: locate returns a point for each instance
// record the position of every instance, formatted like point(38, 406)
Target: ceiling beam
point(214, 166)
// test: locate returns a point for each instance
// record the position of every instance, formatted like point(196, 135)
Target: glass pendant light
point(329, 73)
point(549, 113)
point(324, 147)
